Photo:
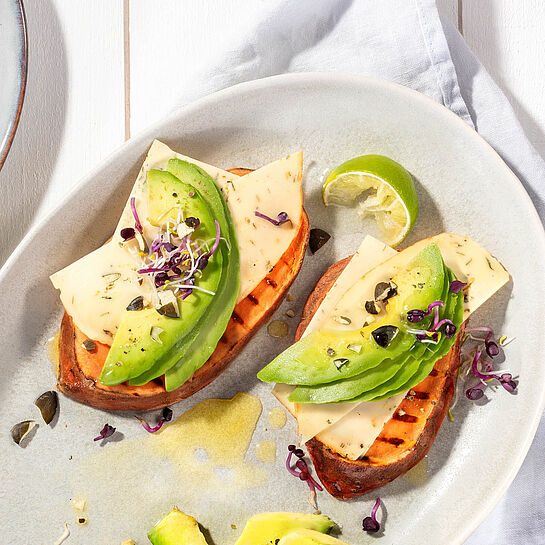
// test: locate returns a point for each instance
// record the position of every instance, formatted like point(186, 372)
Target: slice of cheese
point(96, 304)
point(313, 418)
point(351, 428)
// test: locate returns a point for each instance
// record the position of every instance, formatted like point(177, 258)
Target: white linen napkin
point(408, 43)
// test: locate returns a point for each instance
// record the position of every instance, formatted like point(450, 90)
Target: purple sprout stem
point(442, 323)
point(216, 242)
point(288, 465)
point(137, 223)
point(313, 483)
point(483, 329)
point(433, 305)
point(375, 509)
point(147, 427)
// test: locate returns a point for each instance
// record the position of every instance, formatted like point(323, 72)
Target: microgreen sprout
point(371, 524)
point(456, 286)
point(505, 379)
point(279, 220)
point(301, 465)
point(166, 416)
point(137, 224)
point(105, 432)
point(431, 335)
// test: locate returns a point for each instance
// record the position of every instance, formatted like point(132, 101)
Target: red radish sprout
point(137, 223)
point(279, 220)
point(105, 432)
point(165, 417)
point(371, 524)
point(301, 465)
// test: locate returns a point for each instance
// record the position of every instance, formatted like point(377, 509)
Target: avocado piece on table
point(199, 345)
point(176, 528)
point(308, 362)
point(268, 528)
point(305, 536)
point(134, 351)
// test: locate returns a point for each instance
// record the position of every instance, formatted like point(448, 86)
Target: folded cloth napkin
point(408, 43)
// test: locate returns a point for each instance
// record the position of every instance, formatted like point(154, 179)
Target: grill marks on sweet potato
point(79, 369)
point(406, 437)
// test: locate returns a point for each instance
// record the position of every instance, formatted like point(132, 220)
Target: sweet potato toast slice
point(79, 369)
point(405, 439)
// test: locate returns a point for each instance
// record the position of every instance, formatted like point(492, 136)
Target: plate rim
point(23, 71)
point(337, 78)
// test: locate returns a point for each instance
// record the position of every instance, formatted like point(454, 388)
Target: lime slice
point(377, 186)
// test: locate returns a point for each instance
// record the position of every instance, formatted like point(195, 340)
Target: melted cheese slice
point(96, 289)
point(351, 428)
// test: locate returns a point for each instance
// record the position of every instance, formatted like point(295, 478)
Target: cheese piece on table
point(351, 428)
point(96, 301)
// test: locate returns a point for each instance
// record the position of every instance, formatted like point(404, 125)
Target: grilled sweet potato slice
point(406, 437)
point(79, 369)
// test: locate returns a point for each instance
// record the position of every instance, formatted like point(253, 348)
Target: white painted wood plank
point(449, 9)
point(507, 37)
point(73, 114)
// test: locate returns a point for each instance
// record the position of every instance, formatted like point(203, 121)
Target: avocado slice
point(426, 365)
point(269, 528)
point(307, 362)
point(415, 359)
point(305, 536)
point(134, 352)
point(414, 370)
point(373, 382)
point(176, 528)
point(193, 350)
point(199, 345)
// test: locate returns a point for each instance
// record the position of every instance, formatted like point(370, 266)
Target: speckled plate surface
point(13, 68)
point(463, 186)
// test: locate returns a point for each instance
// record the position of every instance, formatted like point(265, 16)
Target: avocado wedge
point(176, 528)
point(373, 382)
point(325, 356)
point(424, 367)
point(135, 352)
point(203, 340)
point(305, 536)
point(267, 528)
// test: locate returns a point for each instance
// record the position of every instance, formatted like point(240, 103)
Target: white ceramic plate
point(13, 67)
point(464, 187)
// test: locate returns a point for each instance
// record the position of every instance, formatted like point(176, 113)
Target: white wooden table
point(102, 70)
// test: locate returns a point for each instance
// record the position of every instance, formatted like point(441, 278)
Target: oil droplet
point(266, 451)
point(221, 427)
point(278, 328)
point(52, 349)
point(418, 475)
point(277, 418)
point(198, 459)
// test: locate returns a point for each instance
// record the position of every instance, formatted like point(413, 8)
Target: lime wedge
point(377, 186)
